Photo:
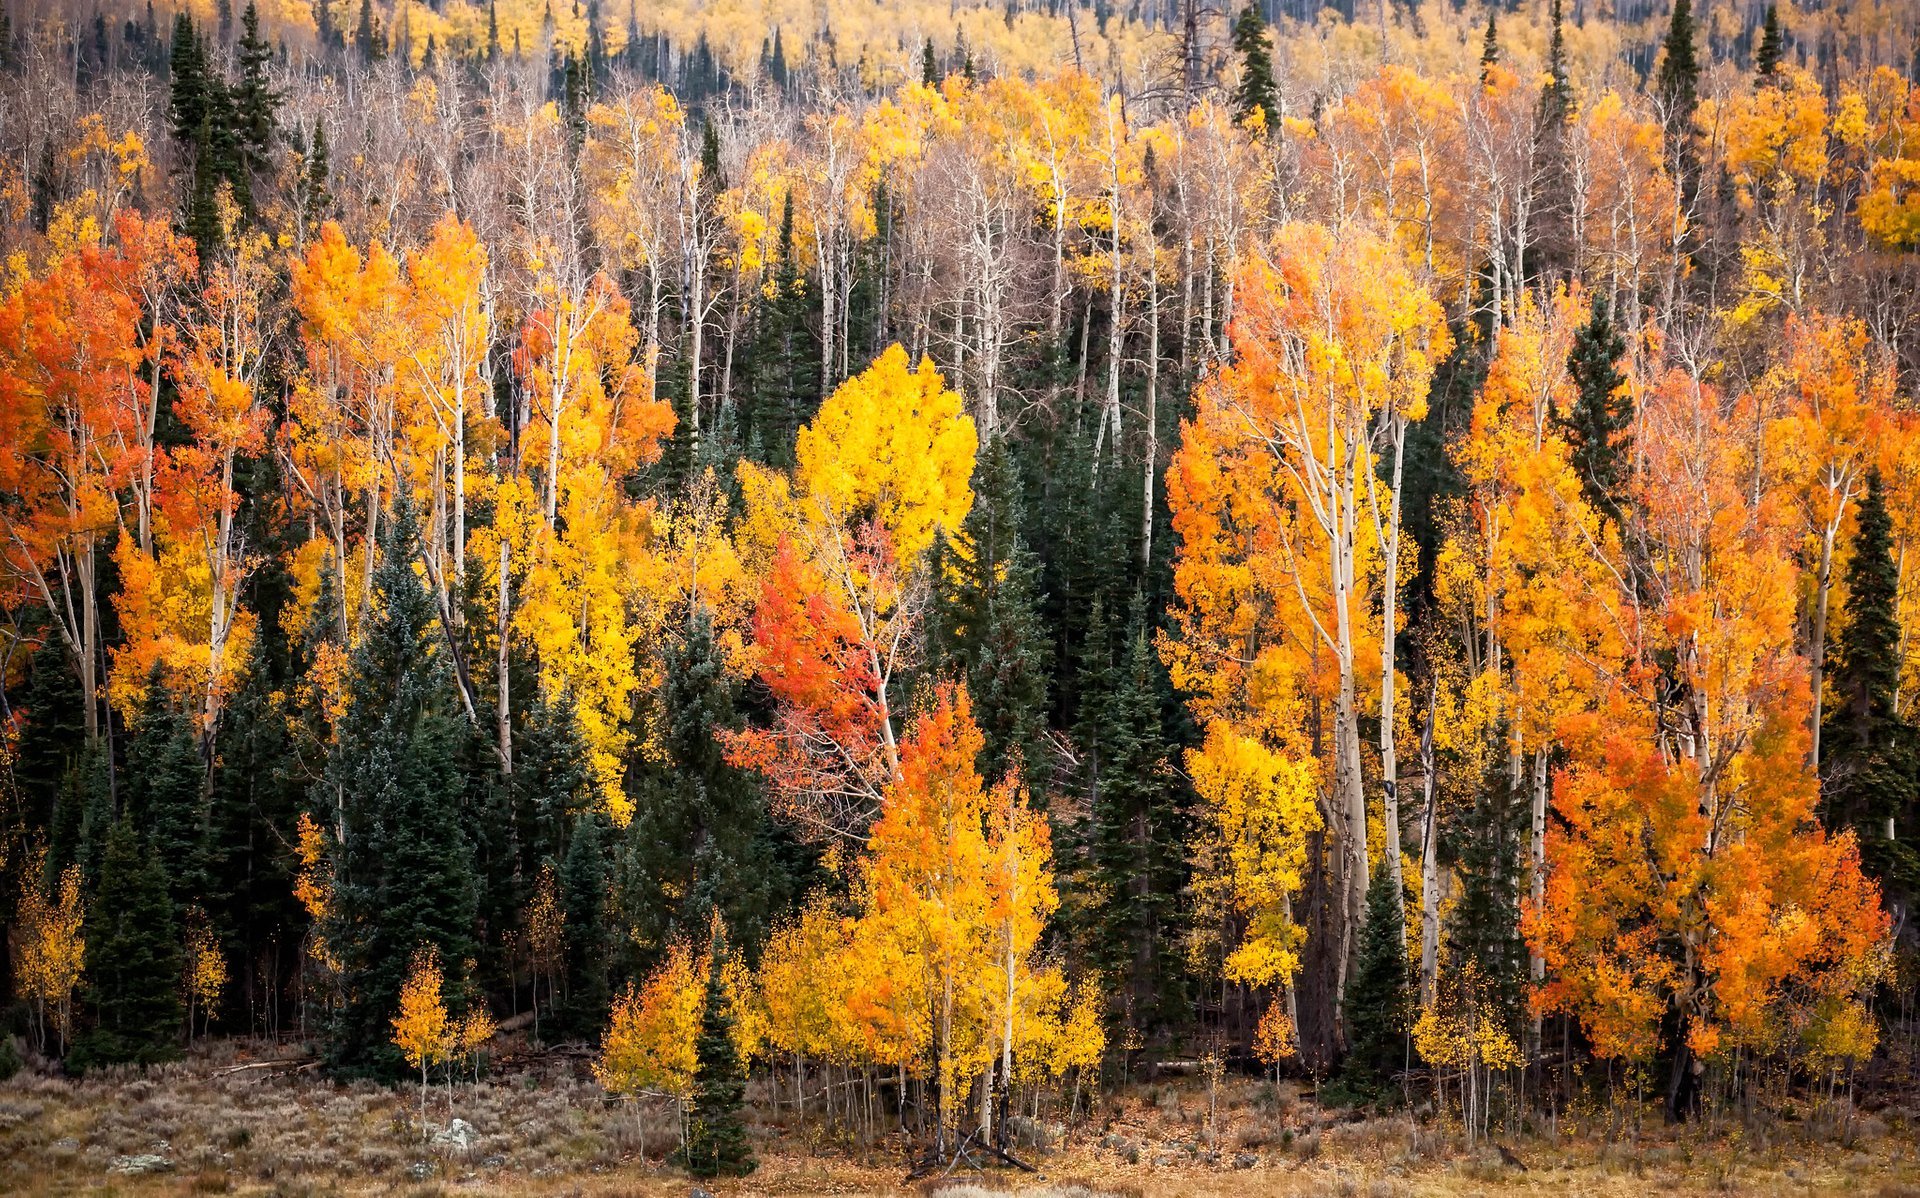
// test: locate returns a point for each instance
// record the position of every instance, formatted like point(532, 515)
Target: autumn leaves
point(1626, 647)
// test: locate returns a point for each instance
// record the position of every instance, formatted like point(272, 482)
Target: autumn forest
point(897, 578)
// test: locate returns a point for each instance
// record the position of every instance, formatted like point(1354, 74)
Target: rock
point(1245, 1160)
point(1031, 1133)
point(140, 1162)
point(496, 1161)
point(420, 1170)
point(458, 1136)
point(699, 1193)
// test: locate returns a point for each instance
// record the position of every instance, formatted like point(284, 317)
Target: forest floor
point(227, 1120)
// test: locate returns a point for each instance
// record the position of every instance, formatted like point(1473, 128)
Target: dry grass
point(546, 1130)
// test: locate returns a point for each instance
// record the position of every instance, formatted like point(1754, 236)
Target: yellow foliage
point(894, 445)
point(651, 1037)
point(421, 1030)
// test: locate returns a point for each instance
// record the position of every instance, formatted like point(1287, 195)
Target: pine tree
point(1773, 47)
point(1489, 48)
point(367, 37)
point(929, 73)
point(1870, 757)
point(249, 895)
point(1482, 945)
point(1679, 83)
point(493, 31)
point(777, 62)
point(254, 100)
point(1256, 90)
point(717, 1143)
point(1556, 98)
point(132, 959)
point(1136, 859)
point(166, 785)
point(989, 624)
point(403, 874)
point(1597, 425)
point(1377, 999)
point(584, 877)
point(700, 837)
point(53, 735)
point(186, 82)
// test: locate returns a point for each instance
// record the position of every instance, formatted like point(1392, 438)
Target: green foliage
point(1599, 423)
point(988, 627)
point(1256, 89)
point(165, 788)
point(700, 839)
point(1869, 755)
point(403, 868)
point(1137, 827)
point(1679, 82)
point(717, 1143)
point(132, 959)
point(1773, 47)
point(1378, 1001)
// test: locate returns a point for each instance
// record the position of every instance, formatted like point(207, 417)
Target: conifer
point(717, 1144)
point(132, 959)
point(1256, 90)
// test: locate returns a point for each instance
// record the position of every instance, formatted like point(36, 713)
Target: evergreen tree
point(1597, 425)
point(1136, 860)
point(1869, 756)
point(1377, 1001)
point(1773, 47)
point(700, 837)
point(83, 814)
point(254, 100)
point(989, 625)
point(132, 959)
point(717, 1143)
point(777, 62)
point(493, 31)
point(1679, 82)
point(367, 37)
point(1556, 98)
point(584, 877)
point(186, 82)
point(1482, 944)
point(1256, 89)
point(249, 895)
point(54, 733)
point(403, 874)
point(1489, 48)
point(929, 73)
point(166, 782)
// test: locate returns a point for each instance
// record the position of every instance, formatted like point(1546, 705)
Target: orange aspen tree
point(1688, 876)
point(1334, 340)
point(74, 377)
point(883, 470)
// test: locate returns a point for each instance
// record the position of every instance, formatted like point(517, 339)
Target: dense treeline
point(1384, 543)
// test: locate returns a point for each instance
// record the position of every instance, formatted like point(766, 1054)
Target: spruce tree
point(1489, 48)
point(186, 82)
point(989, 625)
point(254, 100)
point(584, 877)
point(1556, 98)
point(929, 74)
point(1597, 424)
point(1377, 998)
point(132, 959)
point(1136, 859)
point(1773, 47)
point(1256, 90)
point(700, 836)
point(403, 874)
point(1482, 945)
point(54, 733)
point(717, 1143)
point(367, 37)
point(777, 62)
point(165, 789)
point(1869, 756)
point(1679, 82)
point(493, 32)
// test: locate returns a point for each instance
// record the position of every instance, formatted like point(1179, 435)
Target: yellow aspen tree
point(546, 936)
point(421, 1031)
point(205, 973)
point(48, 948)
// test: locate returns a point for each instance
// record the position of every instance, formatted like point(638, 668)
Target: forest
point(880, 582)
